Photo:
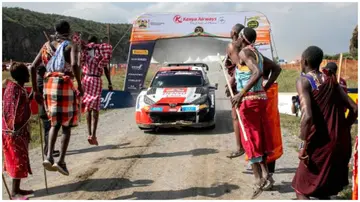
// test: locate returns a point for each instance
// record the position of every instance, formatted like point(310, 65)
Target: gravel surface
point(171, 164)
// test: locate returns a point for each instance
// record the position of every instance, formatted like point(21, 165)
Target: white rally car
point(179, 95)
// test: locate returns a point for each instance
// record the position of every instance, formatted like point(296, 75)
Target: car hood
point(174, 95)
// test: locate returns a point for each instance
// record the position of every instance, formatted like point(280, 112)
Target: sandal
point(257, 190)
point(48, 165)
point(19, 197)
point(94, 141)
point(90, 140)
point(26, 192)
point(235, 154)
point(269, 183)
point(61, 167)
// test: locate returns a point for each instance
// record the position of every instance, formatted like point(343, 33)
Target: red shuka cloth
point(254, 119)
point(16, 113)
point(329, 145)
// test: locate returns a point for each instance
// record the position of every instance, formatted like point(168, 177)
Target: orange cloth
point(274, 119)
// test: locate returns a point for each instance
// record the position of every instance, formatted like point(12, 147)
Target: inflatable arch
point(151, 27)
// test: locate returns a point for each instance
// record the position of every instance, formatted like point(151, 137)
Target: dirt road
point(131, 164)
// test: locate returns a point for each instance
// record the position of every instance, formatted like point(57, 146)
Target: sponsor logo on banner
point(132, 87)
point(137, 67)
point(135, 80)
point(105, 101)
point(197, 20)
point(132, 74)
point(253, 24)
point(139, 59)
point(142, 23)
point(140, 52)
point(221, 20)
point(177, 19)
point(116, 99)
point(157, 23)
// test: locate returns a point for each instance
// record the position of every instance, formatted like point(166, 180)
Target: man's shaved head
point(248, 35)
point(312, 58)
point(236, 29)
point(313, 55)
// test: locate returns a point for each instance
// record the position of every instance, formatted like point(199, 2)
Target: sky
point(295, 26)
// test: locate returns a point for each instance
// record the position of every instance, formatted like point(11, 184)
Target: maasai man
point(93, 64)
point(326, 148)
point(46, 52)
point(106, 53)
point(331, 69)
point(270, 74)
point(231, 60)
point(16, 129)
point(251, 101)
point(60, 94)
point(46, 126)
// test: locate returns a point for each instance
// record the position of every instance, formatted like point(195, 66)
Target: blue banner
point(138, 64)
point(116, 99)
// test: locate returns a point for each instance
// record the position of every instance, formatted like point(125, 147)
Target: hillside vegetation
point(23, 33)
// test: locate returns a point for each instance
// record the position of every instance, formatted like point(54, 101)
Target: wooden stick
point(6, 187)
point(232, 95)
point(42, 151)
point(46, 36)
point(340, 64)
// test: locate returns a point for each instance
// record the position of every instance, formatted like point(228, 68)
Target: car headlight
point(148, 101)
point(200, 100)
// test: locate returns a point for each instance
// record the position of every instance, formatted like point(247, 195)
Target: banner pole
point(340, 65)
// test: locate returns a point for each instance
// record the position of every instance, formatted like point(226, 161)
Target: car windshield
point(177, 79)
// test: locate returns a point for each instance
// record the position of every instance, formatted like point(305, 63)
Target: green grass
point(287, 80)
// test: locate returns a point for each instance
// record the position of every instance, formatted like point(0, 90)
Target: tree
point(354, 43)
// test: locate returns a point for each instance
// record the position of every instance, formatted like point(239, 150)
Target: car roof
point(181, 68)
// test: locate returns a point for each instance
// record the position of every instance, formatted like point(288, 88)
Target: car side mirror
point(143, 88)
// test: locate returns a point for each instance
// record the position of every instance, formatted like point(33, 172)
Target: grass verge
point(287, 80)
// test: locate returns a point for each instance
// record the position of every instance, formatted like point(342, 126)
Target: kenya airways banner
point(150, 27)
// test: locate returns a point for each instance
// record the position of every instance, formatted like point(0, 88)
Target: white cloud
point(100, 12)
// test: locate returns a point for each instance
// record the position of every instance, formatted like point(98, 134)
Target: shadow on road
point(95, 149)
point(223, 126)
point(194, 152)
point(213, 192)
point(94, 185)
point(277, 171)
point(283, 188)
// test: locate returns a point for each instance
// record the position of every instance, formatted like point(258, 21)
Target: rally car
point(180, 95)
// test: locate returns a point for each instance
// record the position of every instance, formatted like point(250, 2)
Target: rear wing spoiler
point(189, 64)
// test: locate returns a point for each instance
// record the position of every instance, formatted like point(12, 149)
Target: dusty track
point(171, 164)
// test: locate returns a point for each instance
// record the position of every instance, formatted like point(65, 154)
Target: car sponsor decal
point(174, 92)
point(188, 109)
point(156, 109)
